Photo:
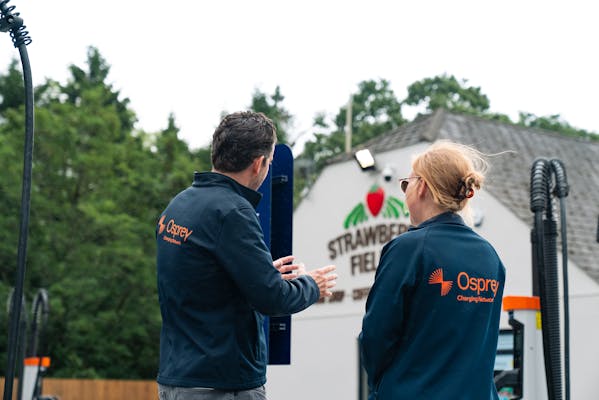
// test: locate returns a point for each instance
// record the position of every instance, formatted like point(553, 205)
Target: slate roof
point(509, 177)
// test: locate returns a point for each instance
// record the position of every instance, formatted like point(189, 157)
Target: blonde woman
point(432, 316)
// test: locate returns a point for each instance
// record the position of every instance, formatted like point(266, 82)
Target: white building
point(348, 215)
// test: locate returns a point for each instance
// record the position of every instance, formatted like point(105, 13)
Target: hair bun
point(466, 186)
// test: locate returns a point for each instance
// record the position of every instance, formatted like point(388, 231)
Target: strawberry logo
point(374, 199)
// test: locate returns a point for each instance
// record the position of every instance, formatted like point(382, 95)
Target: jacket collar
point(443, 218)
point(204, 179)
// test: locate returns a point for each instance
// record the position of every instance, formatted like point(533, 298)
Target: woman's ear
point(422, 188)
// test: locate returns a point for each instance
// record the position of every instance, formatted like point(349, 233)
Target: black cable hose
point(37, 342)
point(538, 185)
point(22, 345)
point(543, 238)
point(41, 309)
point(566, 299)
point(20, 38)
point(544, 231)
point(538, 202)
point(550, 310)
point(561, 191)
point(542, 294)
point(23, 229)
point(561, 182)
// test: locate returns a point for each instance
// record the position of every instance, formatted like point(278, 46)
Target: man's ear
point(257, 164)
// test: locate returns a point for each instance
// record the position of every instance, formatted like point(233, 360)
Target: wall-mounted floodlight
point(365, 159)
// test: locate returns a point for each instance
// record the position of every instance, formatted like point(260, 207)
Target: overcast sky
point(198, 58)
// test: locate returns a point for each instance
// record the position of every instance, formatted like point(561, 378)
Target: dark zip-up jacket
point(432, 316)
point(216, 280)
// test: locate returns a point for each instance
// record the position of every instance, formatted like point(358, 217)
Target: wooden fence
point(95, 389)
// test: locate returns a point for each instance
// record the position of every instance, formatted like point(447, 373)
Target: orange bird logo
point(437, 277)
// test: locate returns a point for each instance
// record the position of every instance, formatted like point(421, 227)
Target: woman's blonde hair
point(452, 172)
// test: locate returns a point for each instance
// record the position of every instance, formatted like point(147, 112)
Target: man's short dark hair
point(240, 138)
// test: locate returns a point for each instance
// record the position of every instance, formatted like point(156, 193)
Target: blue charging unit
point(275, 212)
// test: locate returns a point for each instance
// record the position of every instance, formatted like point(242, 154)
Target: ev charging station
point(533, 346)
point(275, 212)
point(34, 368)
point(32, 358)
point(520, 351)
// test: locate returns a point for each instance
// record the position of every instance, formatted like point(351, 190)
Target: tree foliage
point(98, 187)
point(554, 123)
point(374, 110)
point(272, 107)
point(11, 88)
point(447, 92)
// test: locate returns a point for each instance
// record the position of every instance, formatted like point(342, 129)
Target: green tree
point(96, 250)
point(176, 161)
point(554, 123)
point(447, 92)
point(272, 107)
point(11, 88)
point(98, 189)
point(95, 78)
point(375, 110)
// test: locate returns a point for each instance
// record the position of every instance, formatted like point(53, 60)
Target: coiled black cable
point(10, 21)
point(539, 202)
point(14, 23)
point(538, 185)
point(545, 280)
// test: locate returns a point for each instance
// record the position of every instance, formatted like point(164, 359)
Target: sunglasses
point(404, 182)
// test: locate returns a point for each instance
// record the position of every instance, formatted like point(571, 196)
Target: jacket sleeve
point(386, 307)
point(242, 252)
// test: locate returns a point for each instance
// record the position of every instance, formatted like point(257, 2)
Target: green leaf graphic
point(360, 216)
point(357, 215)
point(390, 210)
point(398, 204)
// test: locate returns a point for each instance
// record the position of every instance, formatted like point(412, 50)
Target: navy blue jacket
point(215, 281)
point(432, 316)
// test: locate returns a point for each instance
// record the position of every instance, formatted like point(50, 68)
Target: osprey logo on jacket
point(437, 278)
point(472, 289)
point(178, 232)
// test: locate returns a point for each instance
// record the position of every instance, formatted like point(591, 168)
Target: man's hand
point(289, 271)
point(324, 279)
point(322, 276)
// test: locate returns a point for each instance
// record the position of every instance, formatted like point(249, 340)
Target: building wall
point(324, 337)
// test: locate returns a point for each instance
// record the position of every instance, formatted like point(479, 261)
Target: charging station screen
point(504, 359)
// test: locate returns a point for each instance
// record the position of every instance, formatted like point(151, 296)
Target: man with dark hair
point(216, 277)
